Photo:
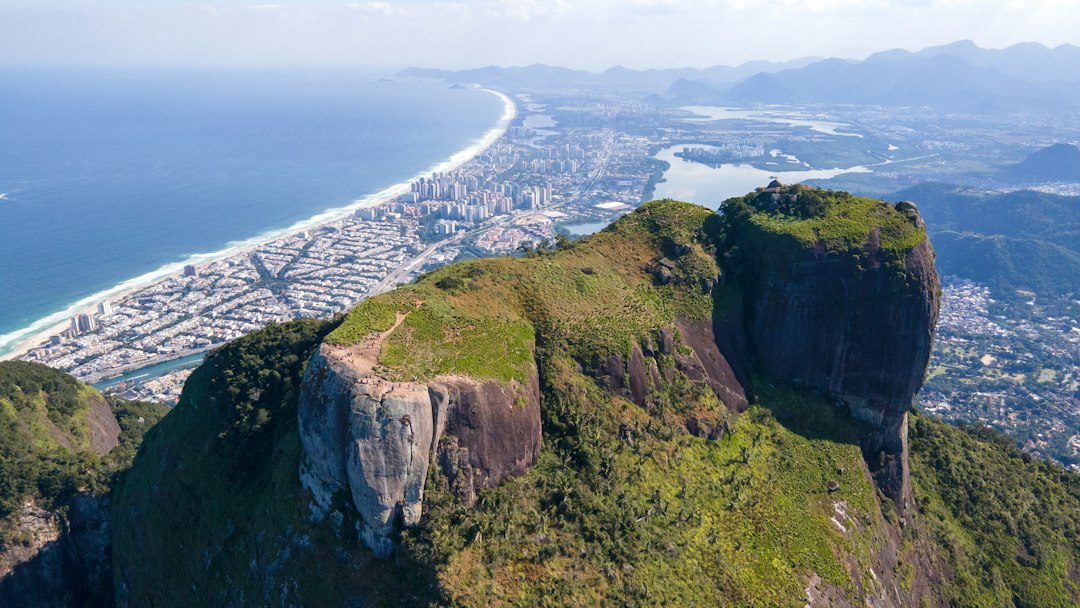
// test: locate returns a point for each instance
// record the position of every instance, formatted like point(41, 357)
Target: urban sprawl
point(572, 164)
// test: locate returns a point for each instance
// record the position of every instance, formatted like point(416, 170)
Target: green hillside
point(1006, 264)
point(629, 503)
point(62, 444)
point(45, 439)
point(1017, 240)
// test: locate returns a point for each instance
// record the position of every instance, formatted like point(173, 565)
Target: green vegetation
point(627, 505)
point(44, 439)
point(1007, 525)
point(658, 517)
point(834, 221)
point(656, 176)
point(372, 315)
point(1015, 240)
point(45, 443)
point(229, 509)
point(250, 379)
point(1006, 264)
point(135, 419)
point(483, 318)
point(439, 338)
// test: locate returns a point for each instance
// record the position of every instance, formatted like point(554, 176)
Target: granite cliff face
point(846, 314)
point(375, 437)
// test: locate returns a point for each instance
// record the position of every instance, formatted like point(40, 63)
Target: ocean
point(114, 176)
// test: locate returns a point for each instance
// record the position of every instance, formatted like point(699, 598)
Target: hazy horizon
point(584, 34)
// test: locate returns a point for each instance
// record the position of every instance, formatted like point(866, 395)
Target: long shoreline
point(20, 341)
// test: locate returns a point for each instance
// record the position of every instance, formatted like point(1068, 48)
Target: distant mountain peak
point(1058, 162)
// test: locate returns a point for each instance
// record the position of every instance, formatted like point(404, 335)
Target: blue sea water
point(106, 175)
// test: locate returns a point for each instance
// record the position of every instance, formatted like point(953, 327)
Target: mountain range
point(957, 77)
point(617, 77)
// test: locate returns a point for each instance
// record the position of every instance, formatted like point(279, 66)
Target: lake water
point(585, 228)
point(153, 371)
point(794, 119)
point(708, 186)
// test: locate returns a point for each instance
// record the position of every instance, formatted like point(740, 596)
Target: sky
point(588, 34)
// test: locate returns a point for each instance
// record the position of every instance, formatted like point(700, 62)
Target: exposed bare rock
point(639, 382)
point(616, 370)
point(863, 335)
point(707, 363)
point(386, 460)
point(104, 430)
point(491, 429)
point(64, 558)
point(325, 409)
point(655, 379)
point(375, 438)
point(38, 527)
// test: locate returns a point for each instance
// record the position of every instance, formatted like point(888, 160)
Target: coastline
point(20, 341)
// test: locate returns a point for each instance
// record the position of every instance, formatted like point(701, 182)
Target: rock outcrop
point(708, 362)
point(64, 559)
point(692, 349)
point(104, 430)
point(375, 438)
point(484, 431)
point(857, 324)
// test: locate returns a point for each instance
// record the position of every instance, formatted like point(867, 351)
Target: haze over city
point(544, 303)
point(588, 34)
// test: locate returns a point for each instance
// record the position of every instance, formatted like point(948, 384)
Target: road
point(401, 274)
point(601, 166)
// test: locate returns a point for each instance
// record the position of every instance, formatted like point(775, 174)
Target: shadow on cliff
point(805, 411)
point(809, 412)
point(55, 577)
point(33, 582)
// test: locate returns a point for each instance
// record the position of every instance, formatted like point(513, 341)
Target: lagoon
point(709, 186)
point(794, 119)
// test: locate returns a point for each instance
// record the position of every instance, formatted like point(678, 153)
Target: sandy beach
point(19, 342)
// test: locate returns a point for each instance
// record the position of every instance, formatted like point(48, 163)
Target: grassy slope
point(481, 318)
point(843, 223)
point(624, 506)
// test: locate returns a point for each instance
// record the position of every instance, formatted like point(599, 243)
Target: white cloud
point(457, 33)
point(374, 8)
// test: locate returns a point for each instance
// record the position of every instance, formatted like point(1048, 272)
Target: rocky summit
point(687, 408)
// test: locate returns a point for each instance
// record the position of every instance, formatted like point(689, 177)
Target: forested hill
point(61, 445)
point(1019, 240)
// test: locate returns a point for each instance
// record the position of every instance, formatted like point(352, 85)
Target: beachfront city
point(507, 198)
point(570, 163)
